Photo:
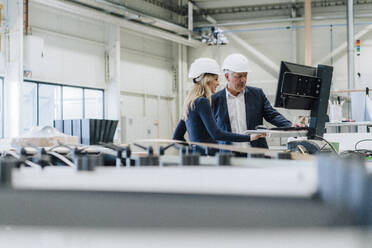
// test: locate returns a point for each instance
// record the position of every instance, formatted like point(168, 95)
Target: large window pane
point(93, 104)
point(49, 104)
point(29, 106)
point(72, 103)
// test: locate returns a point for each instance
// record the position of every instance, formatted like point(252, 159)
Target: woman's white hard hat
point(236, 63)
point(203, 65)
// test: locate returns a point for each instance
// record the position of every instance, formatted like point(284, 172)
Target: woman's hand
point(298, 125)
point(255, 136)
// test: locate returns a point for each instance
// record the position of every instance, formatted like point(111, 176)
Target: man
point(239, 107)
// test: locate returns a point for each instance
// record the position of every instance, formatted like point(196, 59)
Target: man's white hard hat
point(236, 63)
point(203, 65)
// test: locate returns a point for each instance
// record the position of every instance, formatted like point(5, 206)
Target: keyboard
point(289, 128)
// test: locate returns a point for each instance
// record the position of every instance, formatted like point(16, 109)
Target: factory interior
point(186, 123)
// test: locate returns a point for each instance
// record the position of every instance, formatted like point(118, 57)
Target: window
point(49, 104)
point(45, 102)
point(93, 104)
point(29, 104)
point(72, 103)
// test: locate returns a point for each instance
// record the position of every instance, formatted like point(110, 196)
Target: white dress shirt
point(236, 110)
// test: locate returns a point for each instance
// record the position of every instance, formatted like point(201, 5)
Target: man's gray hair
point(228, 72)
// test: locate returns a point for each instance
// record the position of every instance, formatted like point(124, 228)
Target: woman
point(198, 118)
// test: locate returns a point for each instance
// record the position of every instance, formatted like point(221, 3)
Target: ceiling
point(211, 4)
point(223, 11)
point(239, 10)
point(172, 15)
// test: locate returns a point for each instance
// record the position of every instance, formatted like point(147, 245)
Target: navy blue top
point(201, 126)
point(179, 133)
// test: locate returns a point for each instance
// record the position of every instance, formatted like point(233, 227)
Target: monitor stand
point(318, 115)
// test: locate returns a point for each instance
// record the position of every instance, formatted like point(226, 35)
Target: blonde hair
point(200, 89)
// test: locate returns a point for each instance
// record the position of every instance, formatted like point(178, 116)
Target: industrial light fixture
point(213, 36)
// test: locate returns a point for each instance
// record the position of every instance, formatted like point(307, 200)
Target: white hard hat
point(236, 63)
point(203, 65)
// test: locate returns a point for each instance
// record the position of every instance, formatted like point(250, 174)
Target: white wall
point(74, 54)
point(13, 67)
point(148, 82)
point(73, 48)
point(3, 44)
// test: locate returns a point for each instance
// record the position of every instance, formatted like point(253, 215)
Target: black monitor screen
point(298, 86)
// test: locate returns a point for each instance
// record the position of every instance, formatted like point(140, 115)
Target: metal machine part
point(263, 192)
point(282, 195)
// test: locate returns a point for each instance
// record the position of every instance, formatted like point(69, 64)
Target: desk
point(355, 127)
point(279, 134)
point(347, 141)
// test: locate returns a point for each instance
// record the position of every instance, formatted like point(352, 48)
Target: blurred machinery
point(185, 190)
point(113, 189)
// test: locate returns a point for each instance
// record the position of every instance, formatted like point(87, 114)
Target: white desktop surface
point(356, 123)
point(279, 133)
point(347, 141)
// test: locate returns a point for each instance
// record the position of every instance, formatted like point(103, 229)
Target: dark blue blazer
point(257, 108)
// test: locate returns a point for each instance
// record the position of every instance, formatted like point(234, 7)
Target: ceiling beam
point(121, 22)
point(132, 14)
point(278, 20)
point(244, 6)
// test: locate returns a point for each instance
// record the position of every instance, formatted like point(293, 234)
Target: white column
point(294, 44)
point(294, 34)
point(350, 47)
point(180, 63)
point(308, 29)
point(181, 77)
point(190, 19)
point(14, 70)
point(112, 92)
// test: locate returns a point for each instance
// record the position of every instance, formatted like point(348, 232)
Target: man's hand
point(298, 125)
point(255, 136)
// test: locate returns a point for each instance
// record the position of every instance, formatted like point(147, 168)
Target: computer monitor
point(298, 86)
point(307, 88)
